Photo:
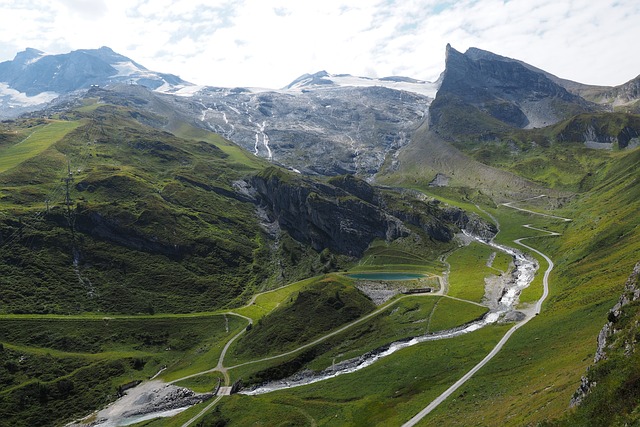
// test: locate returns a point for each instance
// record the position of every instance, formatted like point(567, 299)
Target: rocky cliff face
point(501, 92)
point(324, 216)
point(625, 97)
point(325, 130)
point(604, 130)
point(346, 214)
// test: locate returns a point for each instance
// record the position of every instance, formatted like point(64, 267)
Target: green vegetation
point(409, 317)
point(566, 166)
point(267, 301)
point(39, 138)
point(538, 371)
point(397, 256)
point(48, 402)
point(56, 369)
point(318, 308)
point(402, 318)
point(202, 383)
point(615, 385)
point(155, 225)
point(555, 156)
point(387, 393)
point(468, 271)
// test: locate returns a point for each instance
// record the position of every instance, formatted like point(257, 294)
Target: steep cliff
point(602, 130)
point(347, 214)
point(491, 93)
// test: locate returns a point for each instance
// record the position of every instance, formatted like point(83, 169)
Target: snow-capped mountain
point(322, 79)
point(34, 78)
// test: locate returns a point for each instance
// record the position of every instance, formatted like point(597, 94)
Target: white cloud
point(86, 9)
point(271, 42)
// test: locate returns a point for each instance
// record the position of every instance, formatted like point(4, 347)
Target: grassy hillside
point(614, 381)
point(316, 309)
point(537, 373)
point(429, 154)
point(149, 226)
point(154, 224)
point(36, 139)
point(555, 156)
point(535, 376)
point(56, 369)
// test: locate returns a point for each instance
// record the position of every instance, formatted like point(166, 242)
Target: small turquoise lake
point(386, 276)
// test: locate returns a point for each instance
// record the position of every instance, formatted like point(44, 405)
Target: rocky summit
point(34, 78)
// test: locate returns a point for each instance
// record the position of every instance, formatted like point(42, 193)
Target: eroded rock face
point(347, 214)
point(325, 216)
point(502, 92)
point(325, 131)
point(603, 130)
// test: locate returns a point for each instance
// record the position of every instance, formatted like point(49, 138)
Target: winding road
point(220, 367)
point(545, 284)
point(529, 314)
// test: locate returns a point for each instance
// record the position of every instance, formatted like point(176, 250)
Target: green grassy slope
point(154, 223)
point(54, 369)
point(387, 393)
point(614, 382)
point(555, 156)
point(316, 309)
point(535, 376)
point(38, 139)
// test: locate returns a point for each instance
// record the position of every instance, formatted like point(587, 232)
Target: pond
point(386, 276)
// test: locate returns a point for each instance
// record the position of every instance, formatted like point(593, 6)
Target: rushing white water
point(522, 277)
point(265, 140)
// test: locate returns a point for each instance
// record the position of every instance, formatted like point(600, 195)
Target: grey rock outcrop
point(501, 92)
point(346, 214)
point(602, 130)
point(607, 334)
point(323, 215)
point(624, 97)
point(327, 130)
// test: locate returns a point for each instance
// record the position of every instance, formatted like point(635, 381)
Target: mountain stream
point(503, 308)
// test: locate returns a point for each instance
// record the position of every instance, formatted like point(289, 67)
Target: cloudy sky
point(269, 43)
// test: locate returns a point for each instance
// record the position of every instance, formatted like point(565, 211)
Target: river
point(521, 277)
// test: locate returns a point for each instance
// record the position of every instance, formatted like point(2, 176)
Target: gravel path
point(529, 314)
point(147, 399)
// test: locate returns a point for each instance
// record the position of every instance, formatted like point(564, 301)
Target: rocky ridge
point(504, 92)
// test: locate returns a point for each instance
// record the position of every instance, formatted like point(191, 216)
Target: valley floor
point(265, 303)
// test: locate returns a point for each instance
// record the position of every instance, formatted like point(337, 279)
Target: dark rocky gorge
point(347, 214)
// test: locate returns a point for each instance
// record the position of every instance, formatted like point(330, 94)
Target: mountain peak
point(33, 73)
point(322, 79)
point(305, 80)
point(28, 54)
point(476, 54)
point(507, 91)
